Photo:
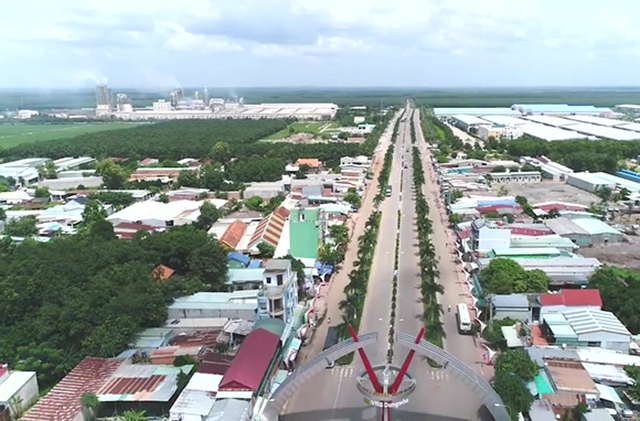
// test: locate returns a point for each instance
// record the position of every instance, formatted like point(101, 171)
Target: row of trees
point(356, 290)
point(429, 273)
point(619, 289)
point(88, 294)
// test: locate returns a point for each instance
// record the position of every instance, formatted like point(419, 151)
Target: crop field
point(313, 127)
point(15, 134)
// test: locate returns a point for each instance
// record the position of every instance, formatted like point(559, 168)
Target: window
point(594, 344)
point(263, 305)
point(268, 279)
point(280, 279)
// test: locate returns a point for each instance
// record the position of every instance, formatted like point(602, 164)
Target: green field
point(15, 134)
point(313, 127)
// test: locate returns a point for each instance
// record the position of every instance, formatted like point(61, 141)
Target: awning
point(291, 352)
point(608, 393)
point(511, 337)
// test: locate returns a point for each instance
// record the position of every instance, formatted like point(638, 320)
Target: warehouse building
point(466, 122)
point(585, 231)
point(605, 132)
point(548, 120)
point(598, 121)
point(591, 182)
point(560, 109)
point(587, 327)
point(520, 177)
point(448, 112)
point(542, 132)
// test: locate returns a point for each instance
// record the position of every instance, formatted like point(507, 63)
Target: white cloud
point(121, 37)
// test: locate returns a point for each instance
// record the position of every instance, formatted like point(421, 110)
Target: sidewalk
point(333, 293)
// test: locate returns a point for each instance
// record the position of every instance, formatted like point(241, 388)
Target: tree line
point(429, 273)
point(86, 295)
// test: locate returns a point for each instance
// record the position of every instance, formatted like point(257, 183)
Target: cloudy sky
point(236, 43)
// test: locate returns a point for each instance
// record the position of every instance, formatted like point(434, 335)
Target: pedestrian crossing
point(347, 372)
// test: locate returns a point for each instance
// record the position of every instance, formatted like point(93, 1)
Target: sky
point(326, 43)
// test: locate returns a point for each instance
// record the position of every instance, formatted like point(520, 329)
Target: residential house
point(233, 234)
point(570, 299)
point(279, 294)
point(148, 162)
point(234, 305)
point(585, 231)
point(18, 390)
point(514, 306)
point(314, 164)
point(269, 230)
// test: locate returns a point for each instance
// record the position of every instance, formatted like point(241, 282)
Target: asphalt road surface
point(332, 395)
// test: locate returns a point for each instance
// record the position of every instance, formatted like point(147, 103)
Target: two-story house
point(279, 291)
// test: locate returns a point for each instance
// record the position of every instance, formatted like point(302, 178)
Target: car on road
point(389, 190)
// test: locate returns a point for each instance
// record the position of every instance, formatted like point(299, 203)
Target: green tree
point(48, 170)
point(266, 250)
point(209, 214)
point(131, 415)
point(619, 289)
point(255, 203)
point(163, 198)
point(113, 175)
point(353, 198)
point(514, 393)
point(93, 212)
point(518, 362)
point(221, 152)
point(3, 215)
point(188, 178)
point(119, 200)
point(22, 227)
point(506, 276)
point(42, 192)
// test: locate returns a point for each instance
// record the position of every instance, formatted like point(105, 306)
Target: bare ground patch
point(551, 191)
point(621, 254)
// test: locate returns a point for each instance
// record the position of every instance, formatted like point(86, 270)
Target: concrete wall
point(512, 313)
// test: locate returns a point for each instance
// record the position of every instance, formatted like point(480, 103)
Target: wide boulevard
point(332, 395)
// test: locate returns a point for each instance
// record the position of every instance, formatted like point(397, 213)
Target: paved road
point(332, 395)
point(334, 389)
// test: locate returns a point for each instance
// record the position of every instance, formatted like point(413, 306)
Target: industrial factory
point(201, 106)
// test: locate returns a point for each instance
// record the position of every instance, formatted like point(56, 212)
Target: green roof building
point(305, 236)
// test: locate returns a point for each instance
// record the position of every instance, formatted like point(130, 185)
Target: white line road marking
point(335, 402)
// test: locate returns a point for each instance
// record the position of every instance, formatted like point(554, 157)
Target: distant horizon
point(329, 88)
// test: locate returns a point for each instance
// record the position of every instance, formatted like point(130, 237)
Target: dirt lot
point(549, 191)
point(622, 254)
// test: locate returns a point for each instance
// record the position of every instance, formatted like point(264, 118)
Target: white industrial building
point(605, 132)
point(593, 181)
point(635, 127)
point(241, 304)
point(504, 120)
point(27, 169)
point(448, 112)
point(162, 110)
point(466, 122)
point(599, 329)
point(70, 163)
point(599, 121)
point(548, 120)
point(547, 133)
point(158, 214)
point(517, 177)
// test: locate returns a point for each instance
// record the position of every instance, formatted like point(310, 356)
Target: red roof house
point(233, 234)
point(162, 272)
point(573, 298)
point(252, 362)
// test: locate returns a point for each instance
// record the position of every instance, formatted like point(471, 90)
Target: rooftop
point(270, 228)
point(233, 234)
point(277, 265)
point(251, 362)
point(275, 326)
point(570, 377)
point(585, 321)
point(62, 403)
point(573, 298)
point(13, 383)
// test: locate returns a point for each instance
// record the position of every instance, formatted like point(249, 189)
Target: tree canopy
point(77, 296)
point(619, 289)
point(518, 362)
point(506, 276)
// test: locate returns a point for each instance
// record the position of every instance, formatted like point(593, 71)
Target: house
point(305, 232)
point(485, 238)
point(514, 306)
point(18, 389)
point(270, 229)
point(197, 398)
point(587, 327)
point(162, 273)
point(128, 230)
point(233, 234)
point(234, 305)
point(279, 294)
point(570, 299)
point(230, 409)
point(314, 164)
point(249, 373)
point(148, 161)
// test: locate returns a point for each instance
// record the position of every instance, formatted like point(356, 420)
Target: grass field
point(12, 135)
point(440, 132)
point(313, 127)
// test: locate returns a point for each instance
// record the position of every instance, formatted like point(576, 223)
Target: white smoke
point(89, 77)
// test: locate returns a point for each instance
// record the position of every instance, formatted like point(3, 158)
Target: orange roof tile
point(270, 228)
point(233, 234)
point(162, 272)
point(312, 162)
